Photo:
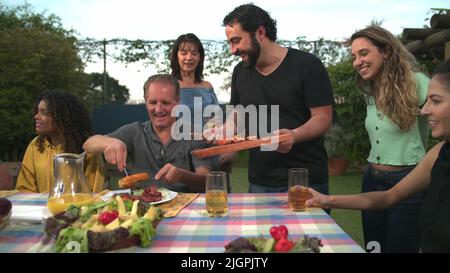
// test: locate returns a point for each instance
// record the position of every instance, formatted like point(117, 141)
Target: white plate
point(33, 214)
point(167, 195)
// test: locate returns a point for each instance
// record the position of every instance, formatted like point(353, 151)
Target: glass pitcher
point(69, 186)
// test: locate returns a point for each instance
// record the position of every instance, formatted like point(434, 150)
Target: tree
point(115, 92)
point(36, 54)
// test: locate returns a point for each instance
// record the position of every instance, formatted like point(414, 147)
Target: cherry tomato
point(282, 229)
point(283, 245)
point(275, 233)
point(108, 216)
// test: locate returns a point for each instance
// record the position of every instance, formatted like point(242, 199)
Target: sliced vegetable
point(120, 206)
point(113, 225)
point(92, 209)
point(134, 209)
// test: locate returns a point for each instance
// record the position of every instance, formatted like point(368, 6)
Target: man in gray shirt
point(150, 146)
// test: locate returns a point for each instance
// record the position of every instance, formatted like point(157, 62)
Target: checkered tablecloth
point(193, 231)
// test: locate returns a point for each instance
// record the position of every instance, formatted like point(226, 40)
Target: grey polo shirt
point(146, 153)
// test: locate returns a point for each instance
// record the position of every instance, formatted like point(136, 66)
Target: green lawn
point(348, 220)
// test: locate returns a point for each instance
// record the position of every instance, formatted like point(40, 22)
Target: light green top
point(389, 144)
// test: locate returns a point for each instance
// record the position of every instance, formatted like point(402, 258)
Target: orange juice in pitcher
point(60, 204)
point(69, 187)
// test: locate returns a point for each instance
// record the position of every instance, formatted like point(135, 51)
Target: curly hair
point(175, 66)
point(251, 17)
point(394, 90)
point(70, 118)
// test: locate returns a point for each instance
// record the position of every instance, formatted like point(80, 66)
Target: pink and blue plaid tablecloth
point(192, 231)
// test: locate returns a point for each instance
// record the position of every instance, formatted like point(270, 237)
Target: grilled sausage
point(128, 181)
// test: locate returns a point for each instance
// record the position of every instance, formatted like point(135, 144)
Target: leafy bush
point(337, 142)
point(347, 137)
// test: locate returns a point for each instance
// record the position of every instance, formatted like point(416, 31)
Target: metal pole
point(315, 48)
point(104, 71)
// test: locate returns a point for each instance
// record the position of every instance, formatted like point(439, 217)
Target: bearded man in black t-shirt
point(270, 74)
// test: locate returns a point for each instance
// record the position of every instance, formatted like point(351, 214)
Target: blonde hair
point(394, 90)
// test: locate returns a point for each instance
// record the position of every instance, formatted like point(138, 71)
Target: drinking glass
point(216, 194)
point(298, 188)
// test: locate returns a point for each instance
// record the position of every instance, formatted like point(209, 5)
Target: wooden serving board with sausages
point(234, 147)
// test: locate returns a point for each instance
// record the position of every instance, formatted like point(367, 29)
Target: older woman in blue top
point(186, 61)
point(395, 89)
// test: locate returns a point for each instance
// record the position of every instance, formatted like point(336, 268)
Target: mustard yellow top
point(37, 174)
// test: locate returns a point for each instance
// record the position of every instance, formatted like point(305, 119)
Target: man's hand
point(169, 173)
point(209, 134)
point(286, 145)
point(219, 131)
point(116, 153)
point(227, 157)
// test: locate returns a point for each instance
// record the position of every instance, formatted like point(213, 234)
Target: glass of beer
point(216, 194)
point(297, 188)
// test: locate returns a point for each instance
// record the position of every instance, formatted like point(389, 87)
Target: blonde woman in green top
point(395, 89)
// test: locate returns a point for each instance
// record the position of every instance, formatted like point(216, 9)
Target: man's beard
point(252, 53)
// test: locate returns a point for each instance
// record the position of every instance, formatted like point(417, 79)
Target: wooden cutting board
point(234, 147)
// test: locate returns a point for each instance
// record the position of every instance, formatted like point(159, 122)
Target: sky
point(167, 19)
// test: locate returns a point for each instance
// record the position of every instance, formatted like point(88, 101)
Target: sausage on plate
point(128, 181)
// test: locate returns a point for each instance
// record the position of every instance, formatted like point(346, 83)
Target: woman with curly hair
point(62, 126)
point(395, 89)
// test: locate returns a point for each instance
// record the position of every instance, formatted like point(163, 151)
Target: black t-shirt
point(434, 216)
point(300, 82)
